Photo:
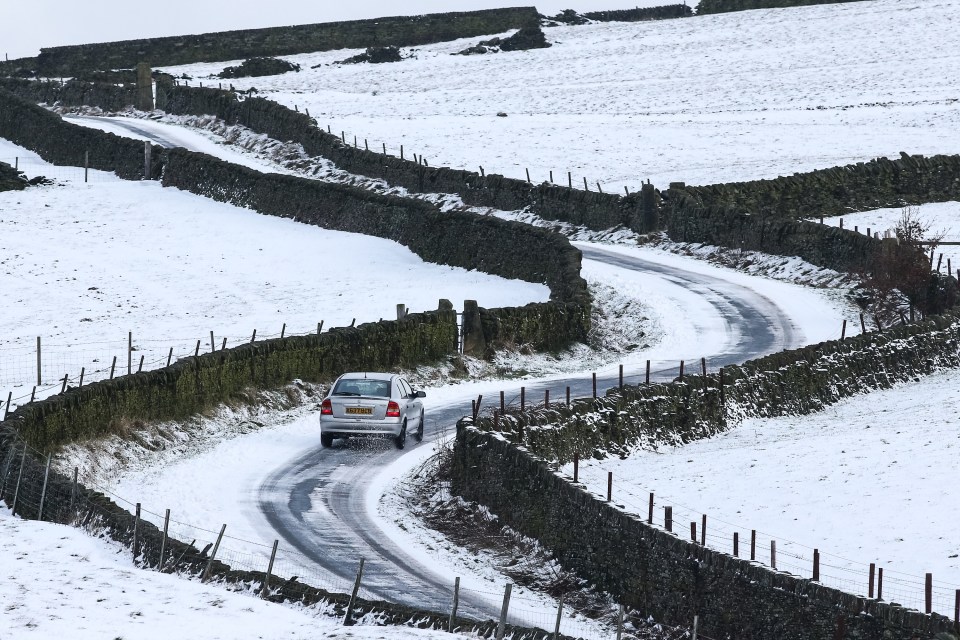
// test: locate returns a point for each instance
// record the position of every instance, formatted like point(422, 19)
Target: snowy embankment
point(719, 98)
point(869, 480)
point(57, 581)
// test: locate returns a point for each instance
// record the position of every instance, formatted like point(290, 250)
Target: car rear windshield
point(362, 387)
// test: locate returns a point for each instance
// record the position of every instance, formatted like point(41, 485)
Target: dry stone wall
point(722, 6)
point(658, 573)
point(403, 31)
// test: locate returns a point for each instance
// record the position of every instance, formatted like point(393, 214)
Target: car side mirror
point(420, 394)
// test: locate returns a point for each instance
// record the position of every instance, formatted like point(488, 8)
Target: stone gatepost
point(144, 87)
point(474, 343)
point(648, 207)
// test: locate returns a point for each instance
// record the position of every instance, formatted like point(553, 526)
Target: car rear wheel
point(401, 439)
point(419, 434)
point(326, 440)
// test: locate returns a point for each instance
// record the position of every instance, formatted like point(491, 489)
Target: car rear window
point(362, 387)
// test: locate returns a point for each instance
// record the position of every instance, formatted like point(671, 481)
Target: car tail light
point(326, 407)
point(393, 410)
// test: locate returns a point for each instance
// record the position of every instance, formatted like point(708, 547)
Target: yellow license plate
point(359, 411)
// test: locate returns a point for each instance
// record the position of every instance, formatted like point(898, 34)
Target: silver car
point(380, 405)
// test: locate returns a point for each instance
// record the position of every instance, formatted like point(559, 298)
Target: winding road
point(318, 502)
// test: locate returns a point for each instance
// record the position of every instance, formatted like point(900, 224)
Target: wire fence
point(33, 166)
point(32, 370)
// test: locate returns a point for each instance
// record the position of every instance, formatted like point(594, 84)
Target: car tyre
point(419, 434)
point(326, 440)
point(401, 438)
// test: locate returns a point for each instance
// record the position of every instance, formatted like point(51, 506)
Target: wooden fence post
point(503, 611)
point(568, 396)
point(736, 544)
point(43, 492)
point(348, 618)
point(668, 518)
point(503, 406)
point(753, 544)
point(6, 407)
point(129, 352)
point(928, 594)
point(456, 603)
point(163, 540)
point(83, 370)
point(594, 386)
point(843, 331)
point(113, 366)
point(73, 488)
point(873, 570)
point(556, 628)
point(136, 532)
point(863, 325)
point(880, 583)
point(650, 510)
point(647, 381)
point(39, 375)
point(816, 565)
point(213, 555)
point(703, 531)
point(609, 486)
point(621, 376)
point(773, 554)
point(265, 589)
point(523, 398)
point(693, 532)
point(576, 467)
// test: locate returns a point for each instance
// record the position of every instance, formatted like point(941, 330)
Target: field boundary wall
point(508, 464)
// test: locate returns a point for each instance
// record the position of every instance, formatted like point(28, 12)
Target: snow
point(869, 479)
point(719, 98)
point(113, 257)
point(57, 581)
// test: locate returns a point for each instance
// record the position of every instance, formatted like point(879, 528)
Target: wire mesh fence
point(34, 166)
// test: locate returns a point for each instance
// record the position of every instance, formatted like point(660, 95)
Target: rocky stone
point(375, 55)
point(526, 38)
point(255, 67)
point(11, 179)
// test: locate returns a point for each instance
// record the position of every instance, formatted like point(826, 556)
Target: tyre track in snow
point(318, 502)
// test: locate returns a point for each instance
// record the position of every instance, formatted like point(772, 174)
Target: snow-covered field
point(58, 582)
point(738, 96)
point(871, 479)
point(81, 265)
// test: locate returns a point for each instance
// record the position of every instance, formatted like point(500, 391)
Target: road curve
point(317, 502)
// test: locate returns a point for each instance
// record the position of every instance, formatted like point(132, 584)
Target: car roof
point(369, 375)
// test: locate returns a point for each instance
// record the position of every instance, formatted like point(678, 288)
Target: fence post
point(6, 407)
point(163, 540)
point(129, 352)
point(556, 628)
point(736, 544)
point(503, 406)
point(253, 338)
point(873, 569)
point(753, 544)
point(503, 611)
point(681, 371)
point(693, 532)
point(668, 518)
point(703, 367)
point(773, 554)
point(196, 352)
point(113, 366)
point(319, 327)
point(147, 152)
point(928, 594)
point(523, 398)
point(283, 329)
point(213, 344)
point(880, 583)
point(568, 396)
point(82, 371)
point(594, 386)
point(546, 398)
point(648, 372)
point(43, 492)
point(650, 510)
point(86, 165)
point(73, 488)
point(956, 610)
point(33, 393)
point(609, 485)
point(816, 565)
point(39, 376)
point(456, 603)
point(620, 623)
point(863, 325)
point(16, 491)
point(140, 366)
point(621, 376)
point(576, 467)
point(348, 619)
point(569, 180)
point(213, 555)
point(703, 531)
point(63, 387)
point(266, 580)
point(136, 531)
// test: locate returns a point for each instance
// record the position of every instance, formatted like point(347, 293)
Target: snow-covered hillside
point(738, 96)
